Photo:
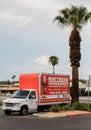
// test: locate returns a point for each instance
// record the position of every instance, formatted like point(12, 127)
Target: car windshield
point(20, 94)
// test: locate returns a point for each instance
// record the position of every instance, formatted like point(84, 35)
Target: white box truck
point(37, 91)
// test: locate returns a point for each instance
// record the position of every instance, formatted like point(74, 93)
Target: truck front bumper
point(16, 109)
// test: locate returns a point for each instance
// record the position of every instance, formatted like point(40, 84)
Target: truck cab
point(22, 101)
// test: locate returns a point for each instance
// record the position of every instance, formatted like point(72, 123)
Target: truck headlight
point(17, 104)
point(3, 104)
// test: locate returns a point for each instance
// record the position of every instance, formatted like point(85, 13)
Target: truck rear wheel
point(24, 111)
point(43, 108)
point(7, 112)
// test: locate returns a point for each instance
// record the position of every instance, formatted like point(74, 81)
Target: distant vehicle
point(37, 92)
point(88, 91)
point(82, 92)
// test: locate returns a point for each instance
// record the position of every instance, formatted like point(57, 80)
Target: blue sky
point(28, 37)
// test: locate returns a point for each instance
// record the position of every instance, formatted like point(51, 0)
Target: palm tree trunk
point(53, 69)
point(75, 85)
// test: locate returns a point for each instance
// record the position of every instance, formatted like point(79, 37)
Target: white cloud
point(41, 64)
point(25, 3)
point(9, 17)
point(38, 4)
point(42, 61)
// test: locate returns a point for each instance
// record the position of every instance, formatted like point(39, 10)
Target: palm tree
point(76, 17)
point(53, 60)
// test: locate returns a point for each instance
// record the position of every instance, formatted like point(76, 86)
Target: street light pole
point(89, 90)
point(88, 95)
point(13, 79)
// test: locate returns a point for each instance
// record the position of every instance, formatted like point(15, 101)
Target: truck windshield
point(20, 94)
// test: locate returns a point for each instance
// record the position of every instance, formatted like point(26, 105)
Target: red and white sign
point(55, 88)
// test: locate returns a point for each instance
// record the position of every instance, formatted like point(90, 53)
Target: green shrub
point(61, 107)
point(54, 108)
point(80, 106)
point(65, 107)
point(89, 107)
point(0, 103)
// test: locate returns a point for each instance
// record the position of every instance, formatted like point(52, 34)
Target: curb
point(80, 114)
point(61, 116)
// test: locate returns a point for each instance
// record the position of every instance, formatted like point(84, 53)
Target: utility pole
point(89, 85)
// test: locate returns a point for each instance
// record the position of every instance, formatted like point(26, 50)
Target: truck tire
point(7, 112)
point(24, 111)
point(43, 108)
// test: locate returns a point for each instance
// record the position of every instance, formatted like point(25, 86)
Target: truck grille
point(9, 104)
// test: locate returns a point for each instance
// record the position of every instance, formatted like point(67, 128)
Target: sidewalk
point(61, 114)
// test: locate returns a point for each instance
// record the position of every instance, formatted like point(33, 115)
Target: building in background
point(7, 87)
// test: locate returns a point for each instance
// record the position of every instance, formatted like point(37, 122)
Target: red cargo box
point(50, 88)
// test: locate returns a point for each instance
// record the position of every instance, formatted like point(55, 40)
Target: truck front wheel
point(24, 111)
point(7, 112)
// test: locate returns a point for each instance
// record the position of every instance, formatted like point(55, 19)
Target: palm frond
point(75, 16)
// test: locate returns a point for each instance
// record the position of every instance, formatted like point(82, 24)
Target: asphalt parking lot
point(17, 122)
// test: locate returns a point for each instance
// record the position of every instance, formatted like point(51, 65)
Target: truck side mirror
point(32, 96)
